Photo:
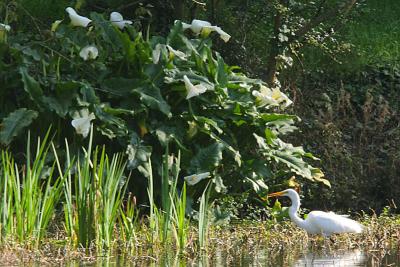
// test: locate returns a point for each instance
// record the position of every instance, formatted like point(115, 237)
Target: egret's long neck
point(293, 211)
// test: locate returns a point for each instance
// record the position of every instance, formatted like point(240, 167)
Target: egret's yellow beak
point(276, 194)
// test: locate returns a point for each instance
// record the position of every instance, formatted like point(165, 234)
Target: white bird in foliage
point(319, 222)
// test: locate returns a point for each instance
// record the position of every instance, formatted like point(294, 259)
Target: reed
point(29, 195)
point(99, 185)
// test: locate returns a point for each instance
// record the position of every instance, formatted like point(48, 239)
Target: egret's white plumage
point(319, 222)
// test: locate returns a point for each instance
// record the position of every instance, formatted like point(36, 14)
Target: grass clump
point(92, 212)
point(29, 195)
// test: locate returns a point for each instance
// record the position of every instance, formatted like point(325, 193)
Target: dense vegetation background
point(342, 74)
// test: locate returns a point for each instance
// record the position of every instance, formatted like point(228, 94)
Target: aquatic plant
point(99, 185)
point(29, 194)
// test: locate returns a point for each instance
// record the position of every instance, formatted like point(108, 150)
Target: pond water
point(318, 258)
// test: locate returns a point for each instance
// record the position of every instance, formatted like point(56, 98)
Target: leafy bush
point(353, 125)
point(134, 89)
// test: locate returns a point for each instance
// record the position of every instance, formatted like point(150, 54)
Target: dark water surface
point(320, 258)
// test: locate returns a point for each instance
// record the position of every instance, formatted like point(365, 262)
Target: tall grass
point(29, 195)
point(129, 223)
point(203, 219)
point(93, 187)
point(99, 184)
point(169, 179)
point(181, 223)
point(168, 225)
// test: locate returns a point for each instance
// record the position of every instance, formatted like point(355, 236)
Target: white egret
point(319, 222)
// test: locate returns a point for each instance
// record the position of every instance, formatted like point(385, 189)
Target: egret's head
point(285, 193)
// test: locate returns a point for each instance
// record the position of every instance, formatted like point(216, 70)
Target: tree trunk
point(274, 49)
point(179, 9)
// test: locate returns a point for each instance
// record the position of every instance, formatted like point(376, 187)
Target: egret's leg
point(307, 240)
point(326, 243)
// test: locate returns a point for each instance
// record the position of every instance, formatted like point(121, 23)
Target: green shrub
point(136, 94)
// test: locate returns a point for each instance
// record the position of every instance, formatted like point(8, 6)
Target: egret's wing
point(328, 223)
point(343, 215)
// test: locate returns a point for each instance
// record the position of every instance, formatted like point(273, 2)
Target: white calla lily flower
point(156, 53)
point(274, 97)
point(222, 34)
point(281, 97)
point(5, 27)
point(89, 52)
point(195, 178)
point(193, 90)
point(197, 26)
point(264, 99)
point(55, 25)
point(82, 122)
point(118, 21)
point(77, 20)
point(177, 53)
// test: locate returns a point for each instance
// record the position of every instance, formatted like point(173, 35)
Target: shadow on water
point(320, 258)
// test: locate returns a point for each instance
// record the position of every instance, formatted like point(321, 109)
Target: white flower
point(274, 97)
point(118, 21)
point(177, 53)
point(281, 97)
point(77, 20)
point(156, 53)
point(195, 178)
point(193, 90)
point(55, 25)
point(197, 26)
point(223, 35)
point(89, 52)
point(81, 123)
point(5, 27)
point(265, 99)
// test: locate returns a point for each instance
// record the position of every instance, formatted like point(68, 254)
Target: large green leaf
point(166, 134)
point(106, 30)
point(14, 123)
point(112, 125)
point(120, 86)
point(207, 158)
point(31, 86)
point(151, 96)
point(292, 157)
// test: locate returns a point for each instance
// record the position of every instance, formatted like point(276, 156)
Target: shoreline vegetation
point(230, 241)
point(42, 221)
point(160, 150)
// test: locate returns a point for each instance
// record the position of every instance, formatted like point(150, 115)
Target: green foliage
point(375, 37)
point(203, 217)
point(168, 224)
point(29, 195)
point(353, 126)
point(14, 123)
point(137, 93)
point(91, 214)
point(296, 33)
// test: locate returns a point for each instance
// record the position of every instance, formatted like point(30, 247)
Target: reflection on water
point(335, 258)
point(260, 257)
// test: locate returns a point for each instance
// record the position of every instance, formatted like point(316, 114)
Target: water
point(240, 257)
point(320, 258)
